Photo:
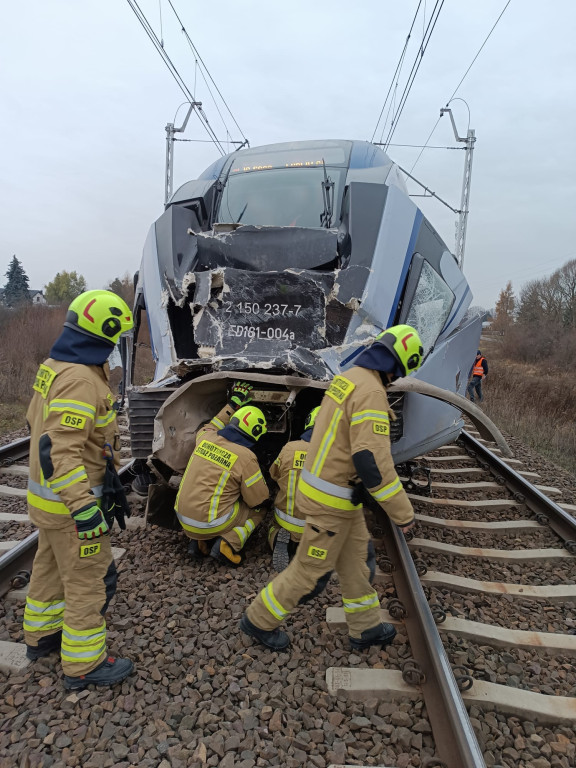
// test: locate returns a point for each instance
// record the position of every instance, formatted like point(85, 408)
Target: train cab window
point(287, 197)
point(430, 304)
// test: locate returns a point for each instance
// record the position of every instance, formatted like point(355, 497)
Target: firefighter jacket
point(351, 442)
point(285, 470)
point(218, 475)
point(71, 418)
point(480, 367)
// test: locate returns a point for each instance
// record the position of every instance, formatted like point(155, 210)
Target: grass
point(12, 417)
point(535, 403)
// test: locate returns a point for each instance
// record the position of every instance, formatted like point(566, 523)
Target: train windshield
point(282, 197)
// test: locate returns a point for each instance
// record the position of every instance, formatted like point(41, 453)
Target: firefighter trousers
point(239, 530)
point(329, 542)
point(72, 584)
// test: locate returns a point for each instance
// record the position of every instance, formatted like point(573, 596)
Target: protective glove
point(89, 522)
point(240, 394)
point(359, 494)
point(114, 501)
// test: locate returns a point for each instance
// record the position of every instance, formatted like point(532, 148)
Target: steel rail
point(11, 452)
point(456, 742)
point(559, 520)
point(21, 556)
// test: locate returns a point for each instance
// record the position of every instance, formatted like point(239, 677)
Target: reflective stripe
point(291, 490)
point(326, 487)
point(83, 645)
point(215, 500)
point(327, 499)
point(53, 507)
point(103, 421)
point(74, 406)
point(41, 616)
point(217, 423)
point(243, 531)
point(360, 416)
point(253, 479)
point(364, 603)
point(43, 498)
point(51, 607)
point(272, 604)
point(289, 522)
point(327, 441)
point(387, 490)
point(197, 526)
point(71, 478)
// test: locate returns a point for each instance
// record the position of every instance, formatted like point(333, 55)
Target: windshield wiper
point(328, 198)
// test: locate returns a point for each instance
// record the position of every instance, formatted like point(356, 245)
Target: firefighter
point(287, 528)
point(73, 430)
point(350, 442)
point(479, 372)
point(222, 488)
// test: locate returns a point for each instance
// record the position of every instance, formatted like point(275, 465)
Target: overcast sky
point(84, 99)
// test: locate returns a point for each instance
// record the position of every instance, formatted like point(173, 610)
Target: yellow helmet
point(311, 418)
point(251, 421)
point(405, 344)
point(102, 314)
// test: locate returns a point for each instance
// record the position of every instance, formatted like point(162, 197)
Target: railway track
point(469, 590)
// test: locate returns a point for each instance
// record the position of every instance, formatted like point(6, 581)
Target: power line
point(461, 81)
point(196, 53)
point(396, 72)
point(174, 71)
point(415, 67)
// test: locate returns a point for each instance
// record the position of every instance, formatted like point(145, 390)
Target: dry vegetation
point(535, 398)
point(26, 337)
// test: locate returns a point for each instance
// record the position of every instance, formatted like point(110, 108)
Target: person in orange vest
point(479, 372)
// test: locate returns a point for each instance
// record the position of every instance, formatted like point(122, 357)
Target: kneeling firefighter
point(221, 490)
point(287, 527)
point(350, 443)
point(74, 494)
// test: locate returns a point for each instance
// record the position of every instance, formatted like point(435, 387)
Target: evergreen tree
point(16, 288)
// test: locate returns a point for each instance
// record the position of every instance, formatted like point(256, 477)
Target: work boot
point(198, 549)
point(382, 634)
point(46, 645)
point(280, 554)
point(274, 638)
point(110, 672)
point(141, 483)
point(223, 553)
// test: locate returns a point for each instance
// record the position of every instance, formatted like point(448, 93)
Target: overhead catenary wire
point(201, 60)
point(415, 67)
point(461, 81)
point(396, 73)
point(174, 72)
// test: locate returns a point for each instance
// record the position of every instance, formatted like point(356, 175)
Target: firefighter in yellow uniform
point(222, 488)
point(350, 443)
point(72, 423)
point(287, 528)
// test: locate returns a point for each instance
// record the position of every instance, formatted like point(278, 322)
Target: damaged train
point(275, 266)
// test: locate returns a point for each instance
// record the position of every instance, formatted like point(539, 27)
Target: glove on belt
point(114, 502)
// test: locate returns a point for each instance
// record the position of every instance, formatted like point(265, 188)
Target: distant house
point(36, 297)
